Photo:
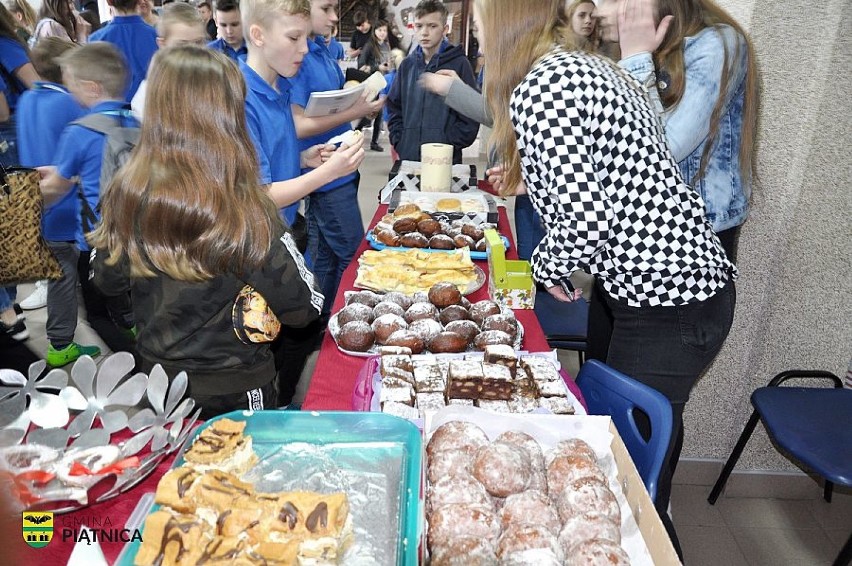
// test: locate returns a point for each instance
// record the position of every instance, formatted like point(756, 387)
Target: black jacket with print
point(189, 325)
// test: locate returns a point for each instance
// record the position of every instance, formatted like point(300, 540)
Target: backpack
point(119, 144)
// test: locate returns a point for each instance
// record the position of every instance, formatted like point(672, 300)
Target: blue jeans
point(335, 231)
point(528, 226)
point(7, 297)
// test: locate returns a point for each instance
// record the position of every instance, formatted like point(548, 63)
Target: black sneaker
point(17, 331)
point(19, 312)
point(376, 147)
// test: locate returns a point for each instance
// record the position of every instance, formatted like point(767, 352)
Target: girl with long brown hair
point(699, 63)
point(24, 15)
point(582, 136)
point(58, 19)
point(187, 228)
point(580, 16)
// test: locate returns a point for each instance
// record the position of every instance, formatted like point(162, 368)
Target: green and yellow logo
point(38, 528)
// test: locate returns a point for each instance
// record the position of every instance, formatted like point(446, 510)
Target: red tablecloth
point(334, 376)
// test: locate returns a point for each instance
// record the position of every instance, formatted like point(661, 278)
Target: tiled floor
point(736, 531)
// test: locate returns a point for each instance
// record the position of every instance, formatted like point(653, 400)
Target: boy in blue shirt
point(276, 32)
point(135, 39)
point(230, 29)
point(416, 115)
point(96, 76)
point(43, 113)
point(335, 228)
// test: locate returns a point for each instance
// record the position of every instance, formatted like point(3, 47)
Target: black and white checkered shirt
point(598, 170)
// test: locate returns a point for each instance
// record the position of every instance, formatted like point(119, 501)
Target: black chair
point(809, 425)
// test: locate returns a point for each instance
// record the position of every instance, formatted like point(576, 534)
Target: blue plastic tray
point(372, 435)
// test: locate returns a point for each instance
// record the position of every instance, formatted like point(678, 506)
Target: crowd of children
point(174, 232)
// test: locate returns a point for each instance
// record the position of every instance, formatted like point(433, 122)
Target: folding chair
point(809, 425)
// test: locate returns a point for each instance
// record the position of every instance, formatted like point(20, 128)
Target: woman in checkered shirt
point(582, 136)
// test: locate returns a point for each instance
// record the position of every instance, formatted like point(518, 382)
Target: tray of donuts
point(440, 321)
point(409, 227)
point(537, 490)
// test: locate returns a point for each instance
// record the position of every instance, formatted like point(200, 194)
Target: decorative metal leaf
point(74, 399)
point(91, 438)
point(176, 391)
point(112, 370)
point(56, 379)
point(136, 443)
point(12, 408)
point(12, 377)
point(35, 370)
point(11, 436)
point(183, 409)
point(129, 393)
point(52, 437)
point(141, 420)
point(48, 411)
point(158, 383)
point(113, 421)
point(83, 375)
point(82, 423)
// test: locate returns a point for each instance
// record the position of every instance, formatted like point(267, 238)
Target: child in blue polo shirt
point(97, 77)
point(230, 30)
point(135, 39)
point(276, 32)
point(335, 228)
point(43, 113)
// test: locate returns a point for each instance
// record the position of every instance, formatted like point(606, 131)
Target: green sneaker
point(70, 353)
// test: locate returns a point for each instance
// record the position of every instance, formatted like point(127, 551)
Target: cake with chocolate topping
point(222, 446)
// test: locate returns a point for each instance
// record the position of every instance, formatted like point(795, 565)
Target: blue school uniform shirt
point(222, 47)
point(136, 40)
point(13, 55)
point(80, 153)
point(43, 113)
point(335, 48)
point(270, 124)
point(319, 72)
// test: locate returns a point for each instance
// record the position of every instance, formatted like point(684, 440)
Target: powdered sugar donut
point(456, 435)
point(456, 489)
point(449, 463)
point(464, 551)
point(572, 447)
point(598, 552)
point(462, 520)
point(584, 496)
point(563, 470)
point(426, 328)
point(532, 507)
point(527, 442)
point(587, 526)
point(524, 537)
point(502, 469)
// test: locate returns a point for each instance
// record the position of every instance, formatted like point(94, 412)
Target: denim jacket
point(724, 191)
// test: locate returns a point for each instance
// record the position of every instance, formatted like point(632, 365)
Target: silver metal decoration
point(38, 412)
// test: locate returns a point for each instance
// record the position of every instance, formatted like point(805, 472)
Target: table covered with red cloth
point(334, 377)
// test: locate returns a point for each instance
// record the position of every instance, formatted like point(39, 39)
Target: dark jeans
point(668, 348)
point(291, 350)
point(62, 296)
point(110, 317)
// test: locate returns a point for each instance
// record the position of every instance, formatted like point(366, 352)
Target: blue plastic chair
point(610, 392)
point(810, 425)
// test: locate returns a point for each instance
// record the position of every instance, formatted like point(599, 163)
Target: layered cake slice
point(222, 446)
point(464, 380)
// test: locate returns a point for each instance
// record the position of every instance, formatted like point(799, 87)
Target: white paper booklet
point(331, 102)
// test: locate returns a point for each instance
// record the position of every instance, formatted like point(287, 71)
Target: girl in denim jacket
point(699, 68)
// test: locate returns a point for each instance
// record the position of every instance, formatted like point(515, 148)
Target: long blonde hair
point(188, 202)
point(28, 14)
point(690, 17)
point(591, 43)
point(517, 34)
